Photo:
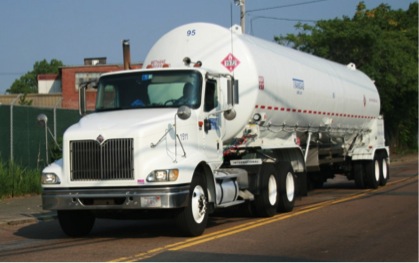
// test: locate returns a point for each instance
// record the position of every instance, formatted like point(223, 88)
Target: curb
point(28, 220)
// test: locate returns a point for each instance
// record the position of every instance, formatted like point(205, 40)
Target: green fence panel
point(4, 132)
point(29, 137)
point(66, 118)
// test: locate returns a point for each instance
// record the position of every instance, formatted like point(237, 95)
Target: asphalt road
point(336, 223)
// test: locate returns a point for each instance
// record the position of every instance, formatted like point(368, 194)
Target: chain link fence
point(27, 143)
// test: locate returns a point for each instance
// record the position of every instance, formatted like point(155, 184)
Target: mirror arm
point(82, 95)
point(229, 113)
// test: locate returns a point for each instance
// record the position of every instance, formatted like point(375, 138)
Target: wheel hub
point(199, 204)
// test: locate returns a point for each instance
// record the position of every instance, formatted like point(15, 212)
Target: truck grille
point(110, 160)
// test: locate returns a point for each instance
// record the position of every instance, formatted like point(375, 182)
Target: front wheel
point(192, 220)
point(76, 223)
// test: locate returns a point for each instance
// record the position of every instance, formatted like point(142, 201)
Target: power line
point(283, 6)
point(277, 18)
point(284, 19)
point(11, 73)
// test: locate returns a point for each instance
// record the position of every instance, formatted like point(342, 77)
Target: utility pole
point(242, 5)
point(243, 15)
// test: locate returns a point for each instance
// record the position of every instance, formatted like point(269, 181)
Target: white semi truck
point(215, 118)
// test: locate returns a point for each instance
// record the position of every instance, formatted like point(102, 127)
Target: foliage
point(56, 151)
point(24, 101)
point(16, 180)
point(383, 43)
point(28, 83)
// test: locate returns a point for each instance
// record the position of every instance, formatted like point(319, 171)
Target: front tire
point(192, 220)
point(76, 223)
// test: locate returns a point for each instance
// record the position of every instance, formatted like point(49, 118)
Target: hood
point(123, 121)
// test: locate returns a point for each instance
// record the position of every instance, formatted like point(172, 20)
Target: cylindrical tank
point(290, 88)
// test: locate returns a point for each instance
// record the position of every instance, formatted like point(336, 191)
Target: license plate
point(150, 201)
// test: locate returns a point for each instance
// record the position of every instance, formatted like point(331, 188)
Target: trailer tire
point(287, 189)
point(266, 202)
point(372, 173)
point(76, 223)
point(192, 219)
point(384, 171)
point(358, 174)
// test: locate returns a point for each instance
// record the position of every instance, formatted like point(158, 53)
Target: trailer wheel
point(372, 173)
point(358, 174)
point(192, 219)
point(286, 188)
point(266, 203)
point(384, 171)
point(76, 223)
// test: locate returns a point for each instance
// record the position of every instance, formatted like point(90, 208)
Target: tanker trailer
point(291, 103)
point(216, 118)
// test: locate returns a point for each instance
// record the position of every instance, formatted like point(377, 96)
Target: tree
point(28, 83)
point(383, 43)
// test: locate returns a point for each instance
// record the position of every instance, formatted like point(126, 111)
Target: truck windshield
point(151, 89)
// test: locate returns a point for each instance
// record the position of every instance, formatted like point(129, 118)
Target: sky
point(71, 30)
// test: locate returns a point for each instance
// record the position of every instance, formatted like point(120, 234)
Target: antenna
point(231, 30)
point(231, 15)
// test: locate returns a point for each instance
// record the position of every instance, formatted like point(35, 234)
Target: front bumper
point(115, 198)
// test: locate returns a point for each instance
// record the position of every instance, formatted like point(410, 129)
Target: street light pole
point(243, 15)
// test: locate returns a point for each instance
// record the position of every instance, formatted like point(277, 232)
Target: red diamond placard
point(230, 62)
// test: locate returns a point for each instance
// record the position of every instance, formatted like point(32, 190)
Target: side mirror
point(183, 112)
point(230, 115)
point(42, 119)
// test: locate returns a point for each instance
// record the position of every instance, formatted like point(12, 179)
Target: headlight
point(50, 178)
point(163, 175)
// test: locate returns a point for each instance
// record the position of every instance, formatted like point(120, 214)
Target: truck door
point(212, 142)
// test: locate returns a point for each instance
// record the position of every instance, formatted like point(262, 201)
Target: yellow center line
point(253, 224)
